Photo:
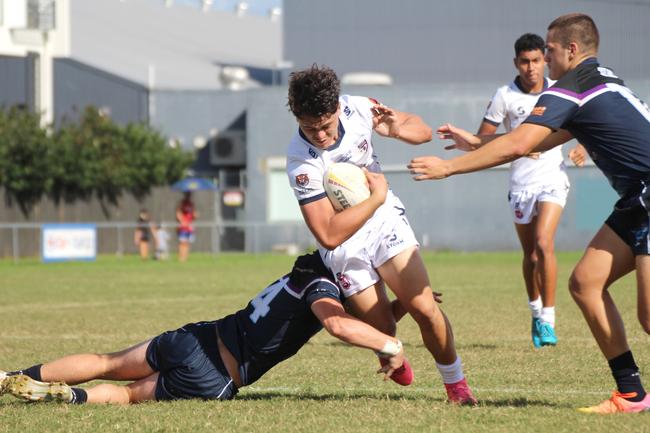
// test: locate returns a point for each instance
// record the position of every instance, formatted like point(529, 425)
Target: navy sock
point(79, 396)
point(34, 372)
point(627, 377)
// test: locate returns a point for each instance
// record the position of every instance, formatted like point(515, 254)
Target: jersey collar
point(517, 82)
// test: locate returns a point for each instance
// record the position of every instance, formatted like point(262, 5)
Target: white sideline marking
point(437, 390)
point(585, 340)
point(111, 337)
point(56, 306)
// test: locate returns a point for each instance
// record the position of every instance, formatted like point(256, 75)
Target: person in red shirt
point(185, 215)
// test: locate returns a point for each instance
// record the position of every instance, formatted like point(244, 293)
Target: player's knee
point(530, 258)
point(544, 246)
point(424, 315)
point(577, 285)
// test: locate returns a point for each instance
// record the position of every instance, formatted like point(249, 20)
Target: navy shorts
point(189, 364)
point(630, 220)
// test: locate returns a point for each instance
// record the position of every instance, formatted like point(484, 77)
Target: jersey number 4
point(263, 300)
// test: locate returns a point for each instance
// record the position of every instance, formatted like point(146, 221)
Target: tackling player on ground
point(538, 186)
point(212, 360)
point(372, 242)
point(588, 102)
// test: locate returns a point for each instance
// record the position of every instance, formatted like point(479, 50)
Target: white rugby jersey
point(511, 106)
point(306, 164)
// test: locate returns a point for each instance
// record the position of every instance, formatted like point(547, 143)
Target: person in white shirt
point(372, 242)
point(538, 185)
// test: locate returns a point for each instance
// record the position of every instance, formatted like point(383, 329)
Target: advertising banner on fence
point(61, 242)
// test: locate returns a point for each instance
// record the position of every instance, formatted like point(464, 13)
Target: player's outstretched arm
point(332, 228)
point(353, 331)
point(407, 127)
point(508, 147)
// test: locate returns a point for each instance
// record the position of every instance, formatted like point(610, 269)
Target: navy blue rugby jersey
point(606, 117)
point(279, 321)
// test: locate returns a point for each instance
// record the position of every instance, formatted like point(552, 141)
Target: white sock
point(536, 307)
point(548, 316)
point(451, 373)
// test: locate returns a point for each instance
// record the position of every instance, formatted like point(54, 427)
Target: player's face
point(530, 65)
point(322, 131)
point(557, 57)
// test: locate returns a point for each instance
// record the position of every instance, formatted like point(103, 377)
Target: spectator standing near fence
point(185, 215)
point(141, 234)
point(161, 238)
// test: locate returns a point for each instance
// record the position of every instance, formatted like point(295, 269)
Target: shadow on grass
point(479, 346)
point(337, 396)
point(303, 396)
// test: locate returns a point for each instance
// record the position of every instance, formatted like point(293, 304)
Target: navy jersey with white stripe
point(279, 321)
point(606, 117)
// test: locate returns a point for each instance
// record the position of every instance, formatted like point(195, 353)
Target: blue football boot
point(534, 332)
point(547, 335)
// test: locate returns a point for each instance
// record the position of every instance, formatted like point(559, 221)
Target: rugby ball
point(346, 185)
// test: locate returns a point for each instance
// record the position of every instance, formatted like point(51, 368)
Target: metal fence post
point(120, 248)
point(14, 241)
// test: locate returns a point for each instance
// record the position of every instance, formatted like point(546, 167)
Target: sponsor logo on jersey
point(313, 153)
point(538, 111)
point(521, 111)
point(394, 241)
point(302, 179)
point(343, 280)
point(348, 112)
point(519, 214)
point(363, 146)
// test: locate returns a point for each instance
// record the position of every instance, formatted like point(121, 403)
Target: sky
point(255, 7)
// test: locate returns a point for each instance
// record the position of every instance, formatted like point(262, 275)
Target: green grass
point(50, 310)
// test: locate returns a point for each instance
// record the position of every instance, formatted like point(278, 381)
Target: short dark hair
point(314, 92)
point(529, 42)
point(576, 27)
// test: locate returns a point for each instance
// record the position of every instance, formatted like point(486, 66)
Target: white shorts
point(524, 203)
point(353, 263)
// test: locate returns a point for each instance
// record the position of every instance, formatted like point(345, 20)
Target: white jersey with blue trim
point(511, 105)
point(306, 163)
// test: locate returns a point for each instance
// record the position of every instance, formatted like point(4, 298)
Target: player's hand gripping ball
point(346, 185)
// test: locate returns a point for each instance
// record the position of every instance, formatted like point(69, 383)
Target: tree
point(94, 157)
point(24, 165)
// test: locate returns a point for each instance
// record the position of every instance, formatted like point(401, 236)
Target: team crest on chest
point(363, 146)
point(348, 112)
point(302, 179)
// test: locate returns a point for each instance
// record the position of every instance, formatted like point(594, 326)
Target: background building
point(171, 64)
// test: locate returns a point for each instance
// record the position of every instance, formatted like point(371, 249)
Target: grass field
point(50, 310)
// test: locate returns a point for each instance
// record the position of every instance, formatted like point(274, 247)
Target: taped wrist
point(391, 348)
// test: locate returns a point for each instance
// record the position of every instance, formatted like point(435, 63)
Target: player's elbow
point(329, 242)
point(334, 327)
point(518, 151)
